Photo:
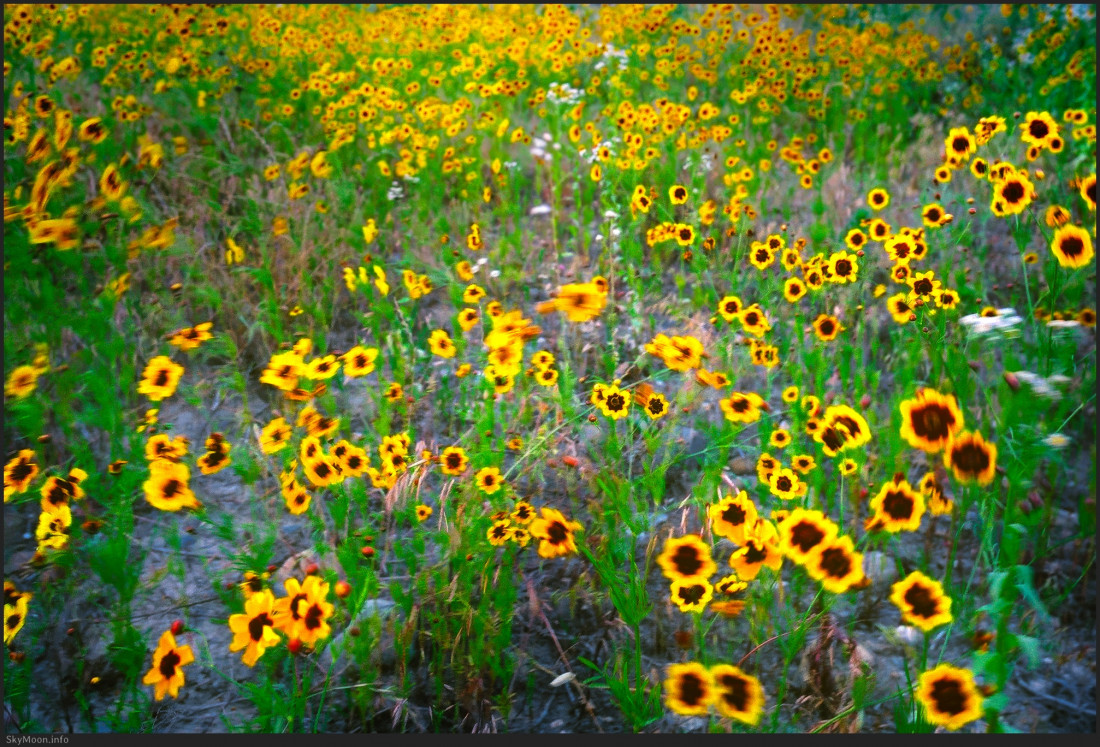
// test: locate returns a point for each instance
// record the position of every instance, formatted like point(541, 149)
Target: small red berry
point(312, 569)
point(367, 551)
point(294, 645)
point(177, 627)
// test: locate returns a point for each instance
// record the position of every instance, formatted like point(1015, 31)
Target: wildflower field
point(636, 368)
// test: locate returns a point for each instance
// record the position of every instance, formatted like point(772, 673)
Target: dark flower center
point(1038, 129)
point(949, 696)
point(557, 533)
point(692, 594)
point(1013, 192)
point(1072, 246)
point(921, 601)
point(735, 691)
point(298, 598)
point(257, 624)
point(687, 560)
point(734, 514)
point(168, 664)
point(755, 553)
point(932, 422)
point(805, 535)
point(171, 488)
point(970, 458)
point(898, 505)
point(836, 562)
point(691, 690)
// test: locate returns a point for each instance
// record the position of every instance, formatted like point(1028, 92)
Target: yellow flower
point(168, 662)
point(254, 631)
point(21, 382)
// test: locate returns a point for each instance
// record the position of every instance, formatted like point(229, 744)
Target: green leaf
point(1027, 590)
point(1030, 648)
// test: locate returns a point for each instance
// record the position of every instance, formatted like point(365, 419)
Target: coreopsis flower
point(897, 507)
point(275, 436)
point(322, 368)
point(216, 457)
point(922, 601)
point(878, 198)
point(58, 491)
point(21, 382)
point(1072, 246)
point(254, 631)
point(190, 338)
point(359, 361)
point(53, 527)
point(303, 613)
point(441, 344)
point(803, 532)
point(742, 407)
point(167, 486)
point(730, 307)
point(161, 446)
point(692, 594)
point(827, 327)
point(580, 302)
point(731, 516)
point(283, 371)
point(169, 659)
point(615, 402)
point(15, 610)
point(680, 353)
point(971, 458)
point(380, 280)
point(555, 533)
point(737, 695)
point(836, 564)
point(689, 689)
point(949, 697)
point(160, 378)
point(19, 472)
point(930, 419)
point(489, 480)
point(686, 557)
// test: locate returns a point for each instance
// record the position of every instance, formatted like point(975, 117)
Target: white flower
point(1039, 385)
point(540, 210)
point(1005, 320)
point(1063, 323)
point(1057, 440)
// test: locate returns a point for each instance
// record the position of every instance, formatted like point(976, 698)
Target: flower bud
point(177, 627)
